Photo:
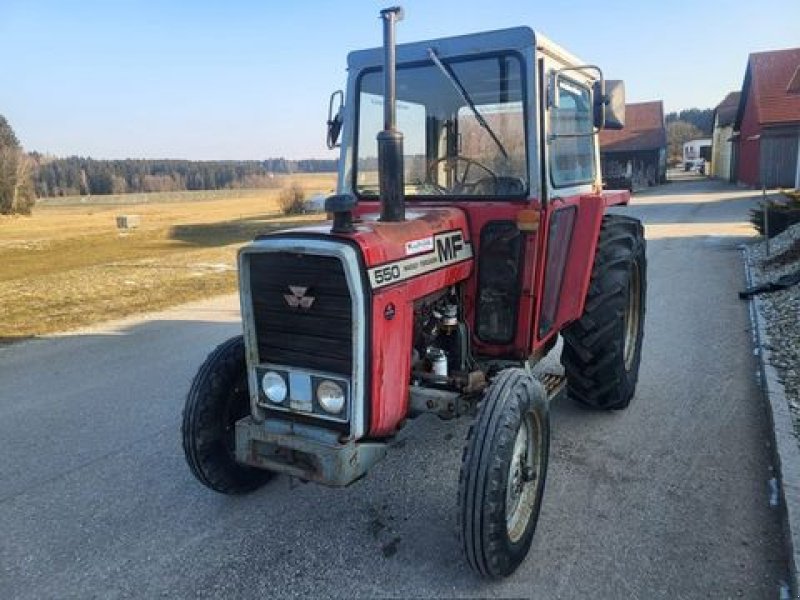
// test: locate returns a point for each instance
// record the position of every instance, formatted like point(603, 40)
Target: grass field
point(68, 265)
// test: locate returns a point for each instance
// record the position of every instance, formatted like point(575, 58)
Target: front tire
point(503, 474)
point(217, 399)
point(603, 350)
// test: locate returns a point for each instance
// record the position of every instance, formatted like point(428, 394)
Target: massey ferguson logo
point(298, 298)
point(449, 247)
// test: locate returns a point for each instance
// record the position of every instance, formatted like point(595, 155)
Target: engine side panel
point(431, 251)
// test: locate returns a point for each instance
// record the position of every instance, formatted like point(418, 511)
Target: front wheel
point(217, 399)
point(503, 474)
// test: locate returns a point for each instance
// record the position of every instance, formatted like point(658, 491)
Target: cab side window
point(572, 156)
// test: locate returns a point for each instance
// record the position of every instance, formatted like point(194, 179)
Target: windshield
point(463, 124)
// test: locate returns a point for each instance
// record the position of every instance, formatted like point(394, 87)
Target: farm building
point(696, 153)
point(767, 144)
point(636, 156)
point(722, 145)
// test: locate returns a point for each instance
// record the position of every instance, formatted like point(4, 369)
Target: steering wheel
point(460, 185)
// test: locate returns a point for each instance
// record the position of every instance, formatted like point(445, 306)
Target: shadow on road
point(13, 339)
point(234, 231)
point(696, 202)
point(725, 210)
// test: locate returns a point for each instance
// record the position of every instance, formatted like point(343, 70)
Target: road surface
point(668, 499)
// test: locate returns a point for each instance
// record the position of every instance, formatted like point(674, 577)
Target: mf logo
point(449, 246)
point(298, 298)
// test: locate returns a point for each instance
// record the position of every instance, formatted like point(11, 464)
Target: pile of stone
point(781, 309)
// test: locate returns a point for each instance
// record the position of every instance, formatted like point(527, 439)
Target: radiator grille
point(319, 337)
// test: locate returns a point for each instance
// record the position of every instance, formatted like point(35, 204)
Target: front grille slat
point(324, 307)
point(299, 358)
point(327, 291)
point(294, 342)
point(325, 328)
point(318, 338)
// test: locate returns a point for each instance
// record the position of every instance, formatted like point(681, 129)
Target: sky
point(250, 79)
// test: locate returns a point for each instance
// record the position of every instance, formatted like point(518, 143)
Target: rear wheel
point(503, 474)
point(217, 399)
point(602, 350)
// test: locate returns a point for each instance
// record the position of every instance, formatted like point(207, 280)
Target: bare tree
point(24, 194)
point(16, 170)
point(679, 132)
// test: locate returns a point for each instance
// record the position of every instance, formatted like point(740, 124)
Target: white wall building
point(722, 146)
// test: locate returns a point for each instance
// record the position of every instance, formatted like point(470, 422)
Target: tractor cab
point(503, 115)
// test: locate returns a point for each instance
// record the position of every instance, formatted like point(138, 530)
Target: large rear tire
point(217, 399)
point(503, 474)
point(603, 349)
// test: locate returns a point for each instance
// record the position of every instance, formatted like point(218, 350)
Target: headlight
point(330, 396)
point(274, 387)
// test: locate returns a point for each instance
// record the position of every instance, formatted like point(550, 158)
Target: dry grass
point(68, 266)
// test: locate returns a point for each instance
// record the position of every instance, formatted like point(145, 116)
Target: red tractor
point(459, 251)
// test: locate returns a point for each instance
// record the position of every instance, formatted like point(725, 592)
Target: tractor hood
point(430, 240)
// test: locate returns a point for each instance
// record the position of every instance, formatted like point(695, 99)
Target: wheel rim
point(524, 477)
point(632, 314)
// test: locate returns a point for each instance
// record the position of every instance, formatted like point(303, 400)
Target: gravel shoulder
point(776, 317)
point(781, 311)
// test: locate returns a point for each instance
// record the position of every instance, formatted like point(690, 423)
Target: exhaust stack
point(390, 140)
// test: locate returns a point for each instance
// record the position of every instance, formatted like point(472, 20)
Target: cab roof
point(514, 38)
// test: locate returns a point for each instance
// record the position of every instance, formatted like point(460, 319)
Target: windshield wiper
point(451, 77)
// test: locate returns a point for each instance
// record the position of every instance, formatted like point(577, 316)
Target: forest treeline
point(702, 118)
point(83, 176)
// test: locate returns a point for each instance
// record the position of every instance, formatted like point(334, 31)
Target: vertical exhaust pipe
point(390, 140)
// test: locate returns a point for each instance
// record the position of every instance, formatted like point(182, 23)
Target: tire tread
point(593, 355)
point(483, 472)
point(224, 367)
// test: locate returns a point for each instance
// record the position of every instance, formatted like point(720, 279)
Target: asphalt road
point(668, 499)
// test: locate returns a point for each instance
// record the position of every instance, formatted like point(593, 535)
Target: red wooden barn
point(767, 138)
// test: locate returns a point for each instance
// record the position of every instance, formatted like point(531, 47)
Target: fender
point(564, 276)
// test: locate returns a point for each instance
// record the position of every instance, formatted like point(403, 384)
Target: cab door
point(574, 208)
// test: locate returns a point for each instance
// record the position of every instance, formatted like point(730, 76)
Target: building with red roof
point(767, 139)
point(636, 156)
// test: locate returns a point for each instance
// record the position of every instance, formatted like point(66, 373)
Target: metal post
point(390, 16)
point(766, 215)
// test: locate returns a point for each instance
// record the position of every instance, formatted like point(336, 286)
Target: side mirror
point(335, 118)
point(609, 104)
